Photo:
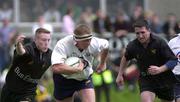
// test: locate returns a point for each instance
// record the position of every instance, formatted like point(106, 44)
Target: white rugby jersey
point(66, 48)
point(174, 44)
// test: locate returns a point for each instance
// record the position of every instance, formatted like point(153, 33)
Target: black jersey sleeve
point(23, 58)
point(129, 54)
point(165, 51)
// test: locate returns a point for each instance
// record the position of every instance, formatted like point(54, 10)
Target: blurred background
point(109, 19)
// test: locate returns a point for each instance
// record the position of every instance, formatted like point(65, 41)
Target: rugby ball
point(72, 61)
point(131, 72)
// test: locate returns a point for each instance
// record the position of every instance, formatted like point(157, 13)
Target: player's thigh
point(69, 99)
point(147, 96)
point(168, 101)
point(5, 96)
point(165, 94)
point(178, 100)
point(87, 95)
point(26, 98)
point(177, 89)
point(177, 92)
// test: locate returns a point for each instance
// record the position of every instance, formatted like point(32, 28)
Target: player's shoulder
point(155, 37)
point(158, 40)
point(30, 46)
point(175, 39)
point(133, 42)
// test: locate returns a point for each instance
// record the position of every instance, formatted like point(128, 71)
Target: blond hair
point(41, 30)
point(82, 29)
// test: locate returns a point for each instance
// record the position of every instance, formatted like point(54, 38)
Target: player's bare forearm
point(104, 55)
point(64, 69)
point(123, 64)
point(153, 70)
point(103, 59)
point(119, 79)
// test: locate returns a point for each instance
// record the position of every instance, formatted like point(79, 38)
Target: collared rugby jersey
point(174, 44)
point(66, 48)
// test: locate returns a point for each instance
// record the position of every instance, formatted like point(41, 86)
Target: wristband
point(171, 64)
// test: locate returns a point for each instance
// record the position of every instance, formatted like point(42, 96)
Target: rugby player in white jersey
point(84, 45)
point(174, 44)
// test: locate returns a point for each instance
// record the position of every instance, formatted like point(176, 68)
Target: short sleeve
point(171, 43)
point(166, 51)
point(102, 44)
point(58, 54)
point(129, 52)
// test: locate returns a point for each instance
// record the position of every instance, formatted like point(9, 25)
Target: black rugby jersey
point(27, 69)
point(156, 53)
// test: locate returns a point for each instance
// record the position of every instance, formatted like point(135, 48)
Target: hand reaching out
point(20, 39)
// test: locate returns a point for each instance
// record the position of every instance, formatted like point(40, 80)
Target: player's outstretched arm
point(19, 46)
point(119, 79)
point(103, 59)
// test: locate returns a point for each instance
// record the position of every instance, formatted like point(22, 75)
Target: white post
point(16, 11)
point(103, 6)
point(146, 5)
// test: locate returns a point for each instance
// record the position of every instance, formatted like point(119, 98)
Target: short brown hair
point(141, 23)
point(82, 29)
point(41, 30)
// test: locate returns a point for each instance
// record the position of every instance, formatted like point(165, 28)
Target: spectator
point(121, 26)
point(137, 14)
point(5, 12)
point(6, 34)
point(87, 17)
point(83, 19)
point(52, 15)
point(147, 15)
point(41, 23)
point(90, 16)
point(170, 25)
point(68, 23)
point(102, 23)
point(156, 24)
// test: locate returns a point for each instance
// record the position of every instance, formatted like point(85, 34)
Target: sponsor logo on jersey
point(27, 78)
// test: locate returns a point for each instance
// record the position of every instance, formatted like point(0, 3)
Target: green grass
point(124, 95)
point(115, 95)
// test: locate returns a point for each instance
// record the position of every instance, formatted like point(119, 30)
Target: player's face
point(83, 44)
point(142, 34)
point(42, 41)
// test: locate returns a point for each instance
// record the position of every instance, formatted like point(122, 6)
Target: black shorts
point(177, 87)
point(9, 96)
point(64, 88)
point(161, 89)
